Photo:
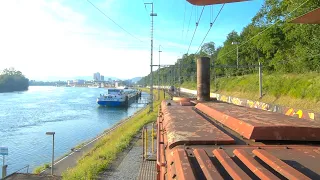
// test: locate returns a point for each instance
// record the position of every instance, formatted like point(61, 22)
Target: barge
point(118, 97)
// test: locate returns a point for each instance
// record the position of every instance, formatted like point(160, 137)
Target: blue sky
point(62, 39)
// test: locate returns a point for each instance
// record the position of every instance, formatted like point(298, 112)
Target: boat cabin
point(115, 91)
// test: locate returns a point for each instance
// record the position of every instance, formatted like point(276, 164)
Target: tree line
point(270, 38)
point(13, 80)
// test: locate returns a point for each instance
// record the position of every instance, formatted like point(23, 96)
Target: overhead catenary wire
point(189, 21)
point(242, 44)
point(184, 17)
point(195, 30)
point(114, 21)
point(211, 24)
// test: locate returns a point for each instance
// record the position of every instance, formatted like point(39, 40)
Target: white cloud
point(44, 38)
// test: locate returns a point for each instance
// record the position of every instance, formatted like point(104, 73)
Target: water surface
point(70, 112)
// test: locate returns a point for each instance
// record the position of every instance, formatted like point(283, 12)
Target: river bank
point(70, 159)
point(106, 150)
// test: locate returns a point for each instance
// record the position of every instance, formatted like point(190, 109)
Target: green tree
point(13, 80)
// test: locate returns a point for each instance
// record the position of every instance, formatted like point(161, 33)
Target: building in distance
point(96, 76)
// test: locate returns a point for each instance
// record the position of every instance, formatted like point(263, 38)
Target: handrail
point(27, 166)
point(158, 146)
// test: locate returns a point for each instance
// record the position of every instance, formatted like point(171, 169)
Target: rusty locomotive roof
point(261, 125)
point(243, 162)
point(192, 144)
point(312, 17)
point(210, 2)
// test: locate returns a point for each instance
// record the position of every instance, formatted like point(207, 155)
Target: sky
point(63, 39)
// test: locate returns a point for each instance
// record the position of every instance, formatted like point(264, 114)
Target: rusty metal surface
point(182, 125)
point(240, 162)
point(312, 17)
point(186, 103)
point(190, 146)
point(278, 165)
point(180, 99)
point(148, 171)
point(229, 165)
point(208, 169)
point(261, 125)
point(209, 2)
point(203, 79)
point(253, 165)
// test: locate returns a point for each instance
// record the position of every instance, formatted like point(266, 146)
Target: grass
point(80, 145)
point(106, 149)
point(39, 169)
point(291, 90)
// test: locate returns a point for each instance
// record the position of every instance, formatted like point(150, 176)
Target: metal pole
point(151, 64)
point(237, 56)
point(52, 161)
point(159, 75)
point(260, 79)
point(143, 143)
point(174, 75)
point(3, 160)
point(152, 139)
point(146, 139)
point(151, 88)
point(4, 170)
point(179, 77)
point(215, 76)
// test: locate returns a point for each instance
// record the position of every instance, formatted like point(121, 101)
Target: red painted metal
point(208, 169)
point(278, 165)
point(230, 166)
point(261, 125)
point(184, 126)
point(185, 154)
point(209, 2)
point(159, 146)
point(183, 166)
point(180, 99)
point(253, 165)
point(312, 17)
point(186, 103)
point(205, 162)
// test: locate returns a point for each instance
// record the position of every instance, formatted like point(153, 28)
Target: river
point(72, 113)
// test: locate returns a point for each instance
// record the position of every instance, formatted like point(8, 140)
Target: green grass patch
point(291, 90)
point(39, 169)
point(106, 149)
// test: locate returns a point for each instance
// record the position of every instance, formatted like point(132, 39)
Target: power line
point(211, 24)
point(197, 23)
point(113, 21)
point(184, 17)
point(189, 21)
point(263, 30)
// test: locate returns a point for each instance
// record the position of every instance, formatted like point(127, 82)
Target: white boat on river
point(116, 97)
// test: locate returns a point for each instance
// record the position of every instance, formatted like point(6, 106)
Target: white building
point(96, 76)
point(79, 81)
point(70, 82)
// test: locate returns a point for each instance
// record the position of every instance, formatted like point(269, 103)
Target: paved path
point(70, 160)
point(129, 166)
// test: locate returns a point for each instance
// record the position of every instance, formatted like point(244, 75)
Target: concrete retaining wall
point(303, 114)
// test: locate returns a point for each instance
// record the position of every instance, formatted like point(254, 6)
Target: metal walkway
point(148, 171)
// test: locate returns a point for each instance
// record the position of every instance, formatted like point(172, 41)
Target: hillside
point(291, 90)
